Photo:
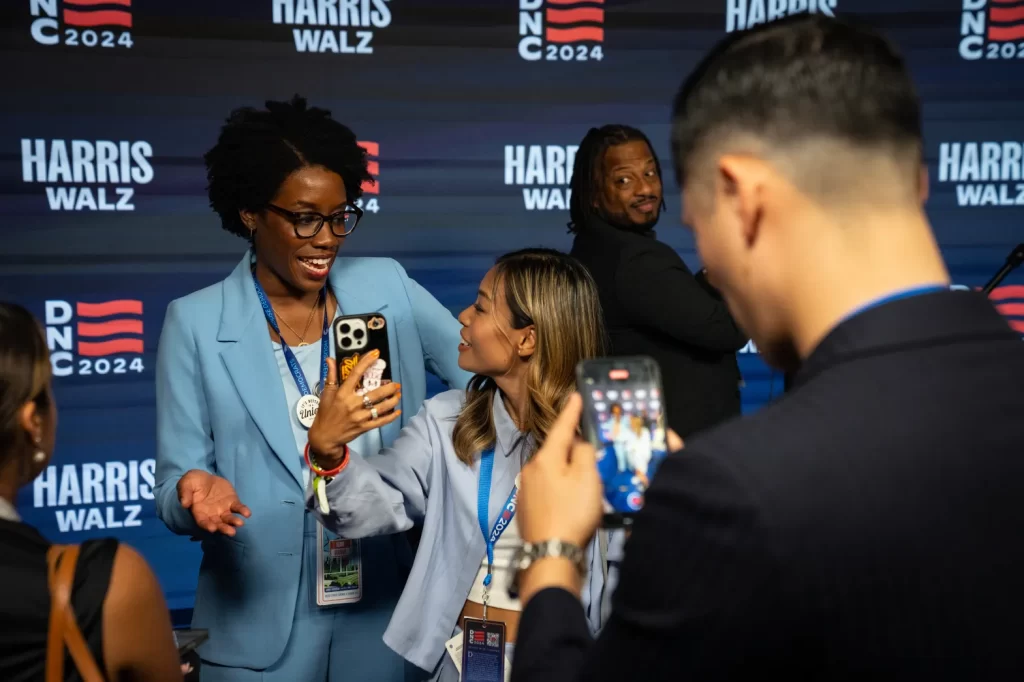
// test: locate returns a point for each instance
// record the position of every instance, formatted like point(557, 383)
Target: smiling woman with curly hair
point(233, 362)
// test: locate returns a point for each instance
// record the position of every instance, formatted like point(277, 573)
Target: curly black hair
point(586, 183)
point(258, 149)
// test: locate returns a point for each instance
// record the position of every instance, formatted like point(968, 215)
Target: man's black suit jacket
point(869, 524)
point(653, 305)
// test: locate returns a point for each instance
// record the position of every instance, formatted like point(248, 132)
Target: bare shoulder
point(131, 570)
point(137, 642)
point(133, 585)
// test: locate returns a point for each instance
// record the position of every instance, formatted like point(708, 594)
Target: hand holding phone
point(343, 416)
point(560, 493)
point(624, 419)
point(354, 337)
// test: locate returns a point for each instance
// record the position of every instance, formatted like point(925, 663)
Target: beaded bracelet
point(325, 473)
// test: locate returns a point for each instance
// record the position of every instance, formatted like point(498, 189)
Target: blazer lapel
point(249, 359)
point(355, 297)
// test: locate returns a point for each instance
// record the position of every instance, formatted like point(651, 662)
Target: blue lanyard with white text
point(482, 511)
point(293, 364)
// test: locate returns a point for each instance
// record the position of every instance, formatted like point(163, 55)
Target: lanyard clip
point(320, 489)
point(486, 599)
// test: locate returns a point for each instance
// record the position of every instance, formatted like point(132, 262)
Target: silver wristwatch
point(530, 552)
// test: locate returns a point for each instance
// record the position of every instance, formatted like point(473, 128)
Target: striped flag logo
point(373, 151)
point(90, 13)
point(574, 21)
point(1005, 20)
point(1009, 300)
point(109, 328)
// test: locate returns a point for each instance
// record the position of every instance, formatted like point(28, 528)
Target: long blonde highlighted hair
point(555, 293)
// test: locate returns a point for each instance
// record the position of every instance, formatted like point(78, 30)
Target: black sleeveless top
point(25, 601)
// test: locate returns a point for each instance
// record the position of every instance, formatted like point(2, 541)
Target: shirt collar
point(923, 320)
point(600, 224)
point(8, 512)
point(509, 437)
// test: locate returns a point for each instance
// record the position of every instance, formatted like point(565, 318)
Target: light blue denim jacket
point(419, 478)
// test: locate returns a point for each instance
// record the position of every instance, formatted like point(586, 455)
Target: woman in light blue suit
point(234, 360)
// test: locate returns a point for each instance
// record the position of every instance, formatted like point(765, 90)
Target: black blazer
point(653, 305)
point(867, 525)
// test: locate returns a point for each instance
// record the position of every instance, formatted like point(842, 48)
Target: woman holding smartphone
point(455, 465)
point(236, 365)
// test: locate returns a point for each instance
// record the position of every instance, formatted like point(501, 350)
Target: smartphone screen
point(624, 418)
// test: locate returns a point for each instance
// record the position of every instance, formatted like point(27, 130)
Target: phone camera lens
point(345, 329)
point(346, 342)
point(358, 333)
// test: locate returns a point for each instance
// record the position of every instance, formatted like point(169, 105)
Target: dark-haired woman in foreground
point(117, 601)
point(234, 361)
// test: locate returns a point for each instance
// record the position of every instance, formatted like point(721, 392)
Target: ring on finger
point(367, 403)
point(373, 413)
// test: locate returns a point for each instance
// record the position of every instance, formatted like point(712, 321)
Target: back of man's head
point(792, 85)
point(798, 148)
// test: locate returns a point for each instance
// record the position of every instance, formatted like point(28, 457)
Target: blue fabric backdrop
point(471, 109)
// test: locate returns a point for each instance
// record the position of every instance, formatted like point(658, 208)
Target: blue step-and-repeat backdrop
point(471, 111)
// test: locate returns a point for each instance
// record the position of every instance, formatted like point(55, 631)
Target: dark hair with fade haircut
point(258, 149)
point(586, 183)
point(799, 78)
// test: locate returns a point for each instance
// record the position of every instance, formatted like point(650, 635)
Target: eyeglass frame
point(292, 216)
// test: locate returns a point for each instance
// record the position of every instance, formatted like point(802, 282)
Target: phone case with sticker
point(354, 337)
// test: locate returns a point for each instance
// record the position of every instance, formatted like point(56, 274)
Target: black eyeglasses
point(308, 223)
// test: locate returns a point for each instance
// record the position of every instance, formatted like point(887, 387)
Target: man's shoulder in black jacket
point(866, 522)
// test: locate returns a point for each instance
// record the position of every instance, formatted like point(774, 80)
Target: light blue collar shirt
point(420, 479)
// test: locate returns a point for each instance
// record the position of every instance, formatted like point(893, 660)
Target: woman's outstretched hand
point(213, 502)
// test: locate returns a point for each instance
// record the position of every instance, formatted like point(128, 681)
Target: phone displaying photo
point(354, 337)
point(624, 419)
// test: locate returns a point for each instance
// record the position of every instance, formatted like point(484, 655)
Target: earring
point(39, 457)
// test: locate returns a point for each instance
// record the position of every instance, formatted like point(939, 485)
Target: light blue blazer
point(221, 408)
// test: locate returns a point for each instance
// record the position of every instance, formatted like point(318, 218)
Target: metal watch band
point(530, 552)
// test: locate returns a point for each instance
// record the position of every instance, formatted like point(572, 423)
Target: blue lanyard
point(896, 296)
point(483, 500)
point(293, 364)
